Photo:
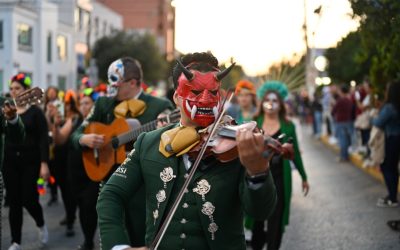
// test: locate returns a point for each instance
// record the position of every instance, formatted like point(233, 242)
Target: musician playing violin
point(128, 100)
point(210, 214)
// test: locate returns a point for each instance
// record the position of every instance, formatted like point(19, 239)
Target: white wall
point(104, 14)
point(46, 16)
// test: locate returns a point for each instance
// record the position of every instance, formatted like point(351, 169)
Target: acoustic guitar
point(31, 96)
point(99, 162)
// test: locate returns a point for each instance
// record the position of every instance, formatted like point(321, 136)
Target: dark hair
point(132, 69)
point(282, 107)
point(202, 61)
point(393, 94)
point(344, 88)
point(73, 106)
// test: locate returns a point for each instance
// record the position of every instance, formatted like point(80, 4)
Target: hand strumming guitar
point(92, 140)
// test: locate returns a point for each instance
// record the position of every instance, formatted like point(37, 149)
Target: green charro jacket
point(103, 112)
point(288, 128)
point(212, 219)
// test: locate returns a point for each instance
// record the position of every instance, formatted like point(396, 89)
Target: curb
point(357, 161)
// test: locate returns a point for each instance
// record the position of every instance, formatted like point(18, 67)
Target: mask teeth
point(188, 106)
point(215, 111)
point(194, 111)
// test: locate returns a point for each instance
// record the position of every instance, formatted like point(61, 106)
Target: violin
point(223, 145)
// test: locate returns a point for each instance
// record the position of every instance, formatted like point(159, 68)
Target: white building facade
point(47, 39)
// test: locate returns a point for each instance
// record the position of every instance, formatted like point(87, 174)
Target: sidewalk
point(357, 161)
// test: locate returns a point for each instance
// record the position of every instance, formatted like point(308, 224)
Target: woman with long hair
point(272, 119)
point(388, 120)
point(24, 163)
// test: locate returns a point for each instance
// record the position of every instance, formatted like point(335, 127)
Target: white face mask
point(271, 103)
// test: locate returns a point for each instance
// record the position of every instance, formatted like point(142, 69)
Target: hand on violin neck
point(250, 147)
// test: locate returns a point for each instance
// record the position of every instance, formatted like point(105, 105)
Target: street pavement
point(338, 213)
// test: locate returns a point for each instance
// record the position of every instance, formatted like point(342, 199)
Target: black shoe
point(85, 246)
point(63, 221)
point(70, 231)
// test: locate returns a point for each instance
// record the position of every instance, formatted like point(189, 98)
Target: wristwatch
point(258, 178)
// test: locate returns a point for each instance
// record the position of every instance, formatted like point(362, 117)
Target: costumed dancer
point(273, 121)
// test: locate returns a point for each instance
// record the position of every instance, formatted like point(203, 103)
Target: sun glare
point(259, 33)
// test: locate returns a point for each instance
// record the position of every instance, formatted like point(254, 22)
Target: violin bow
point(160, 234)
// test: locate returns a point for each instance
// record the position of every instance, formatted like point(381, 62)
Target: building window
point(104, 28)
point(85, 20)
point(24, 37)
point(49, 80)
point(77, 18)
point(62, 82)
point(96, 26)
point(1, 81)
point(62, 47)
point(49, 49)
point(1, 35)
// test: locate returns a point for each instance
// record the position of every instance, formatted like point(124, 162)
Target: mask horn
point(188, 74)
point(224, 73)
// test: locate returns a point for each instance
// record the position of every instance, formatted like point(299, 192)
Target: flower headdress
point(277, 86)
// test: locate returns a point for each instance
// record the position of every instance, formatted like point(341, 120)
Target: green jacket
point(8, 131)
point(288, 128)
point(103, 112)
point(229, 193)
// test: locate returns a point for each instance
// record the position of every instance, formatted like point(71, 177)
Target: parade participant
point(61, 124)
point(210, 215)
point(51, 97)
point(24, 163)
point(273, 121)
point(13, 129)
point(246, 96)
point(84, 191)
point(125, 77)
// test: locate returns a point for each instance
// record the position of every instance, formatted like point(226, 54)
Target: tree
point(141, 47)
point(380, 38)
point(347, 61)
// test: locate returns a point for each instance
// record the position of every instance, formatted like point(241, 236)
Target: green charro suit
point(12, 132)
point(103, 112)
point(229, 194)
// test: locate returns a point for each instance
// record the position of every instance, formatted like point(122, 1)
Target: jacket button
point(183, 236)
point(183, 221)
point(185, 205)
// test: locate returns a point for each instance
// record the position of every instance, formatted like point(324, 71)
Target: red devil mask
point(200, 93)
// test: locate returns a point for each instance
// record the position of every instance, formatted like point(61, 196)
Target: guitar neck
point(133, 134)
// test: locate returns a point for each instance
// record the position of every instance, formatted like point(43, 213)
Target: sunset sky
point(257, 33)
